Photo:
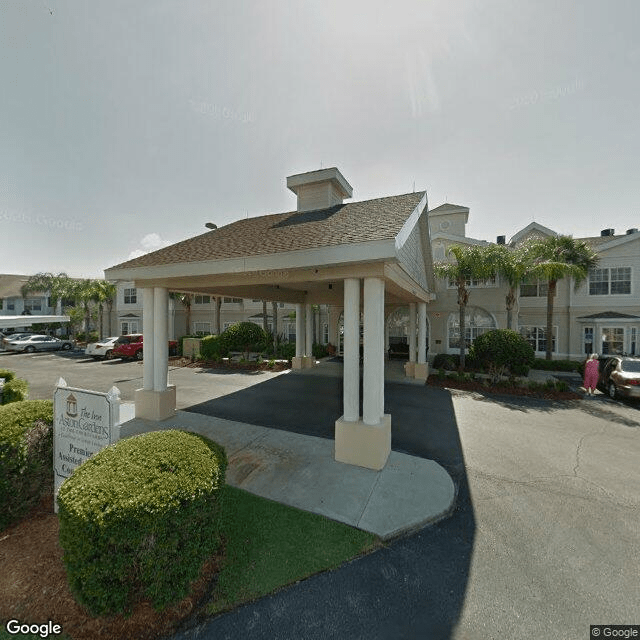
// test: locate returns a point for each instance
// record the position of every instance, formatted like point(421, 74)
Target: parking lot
point(42, 371)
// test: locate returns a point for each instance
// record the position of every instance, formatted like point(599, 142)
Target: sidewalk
point(300, 471)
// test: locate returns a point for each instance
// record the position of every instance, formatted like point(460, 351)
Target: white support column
point(300, 361)
point(422, 368)
point(412, 332)
point(364, 442)
point(155, 401)
point(160, 339)
point(422, 332)
point(308, 318)
point(351, 371)
point(410, 367)
point(299, 331)
point(147, 337)
point(373, 374)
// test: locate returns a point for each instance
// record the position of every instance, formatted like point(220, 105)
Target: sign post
point(84, 422)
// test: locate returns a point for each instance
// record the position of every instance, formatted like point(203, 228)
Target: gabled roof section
point(534, 229)
point(602, 243)
point(345, 224)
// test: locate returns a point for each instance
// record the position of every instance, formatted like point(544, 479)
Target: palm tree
point(57, 285)
point(554, 258)
point(472, 263)
point(274, 311)
point(512, 266)
point(86, 292)
point(105, 294)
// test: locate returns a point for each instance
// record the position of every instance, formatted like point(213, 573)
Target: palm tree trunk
point(551, 294)
point(218, 321)
point(109, 311)
point(101, 312)
point(463, 342)
point(265, 326)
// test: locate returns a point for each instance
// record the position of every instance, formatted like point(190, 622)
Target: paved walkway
point(300, 471)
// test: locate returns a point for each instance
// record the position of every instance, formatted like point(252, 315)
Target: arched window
point(477, 321)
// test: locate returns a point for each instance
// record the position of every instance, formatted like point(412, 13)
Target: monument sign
point(84, 422)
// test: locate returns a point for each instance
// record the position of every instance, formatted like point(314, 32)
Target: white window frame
point(609, 276)
point(33, 304)
point(130, 295)
point(613, 329)
point(537, 338)
point(199, 299)
point(201, 328)
point(541, 288)
point(485, 283)
point(128, 327)
point(585, 331)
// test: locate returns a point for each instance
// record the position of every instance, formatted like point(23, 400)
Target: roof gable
point(532, 230)
point(357, 222)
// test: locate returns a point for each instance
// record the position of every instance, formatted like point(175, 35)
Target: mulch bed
point(245, 366)
point(34, 589)
point(471, 385)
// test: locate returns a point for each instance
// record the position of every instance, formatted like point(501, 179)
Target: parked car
point(38, 343)
point(101, 349)
point(130, 346)
point(620, 377)
point(8, 337)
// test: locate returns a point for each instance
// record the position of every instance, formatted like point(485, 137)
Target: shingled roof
point(366, 221)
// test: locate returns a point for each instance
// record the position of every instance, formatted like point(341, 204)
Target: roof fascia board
point(331, 255)
point(458, 239)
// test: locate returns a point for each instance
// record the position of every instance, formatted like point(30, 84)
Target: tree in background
point(556, 257)
point(471, 263)
point(512, 265)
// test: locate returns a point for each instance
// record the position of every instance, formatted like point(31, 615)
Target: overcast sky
point(127, 125)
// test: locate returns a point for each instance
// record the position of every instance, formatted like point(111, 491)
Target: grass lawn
point(270, 545)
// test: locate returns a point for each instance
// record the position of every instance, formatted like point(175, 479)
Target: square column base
point(421, 371)
point(303, 362)
point(409, 369)
point(156, 405)
point(363, 445)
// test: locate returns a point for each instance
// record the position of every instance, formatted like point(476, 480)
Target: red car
point(130, 346)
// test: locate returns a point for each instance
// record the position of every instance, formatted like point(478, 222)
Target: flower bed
point(536, 390)
point(225, 363)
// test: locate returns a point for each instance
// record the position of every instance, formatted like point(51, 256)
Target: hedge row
point(15, 389)
point(26, 457)
point(138, 519)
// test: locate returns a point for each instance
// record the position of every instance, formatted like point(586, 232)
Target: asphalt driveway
point(543, 542)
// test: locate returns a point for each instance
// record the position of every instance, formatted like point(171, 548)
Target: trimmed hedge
point(213, 348)
point(245, 336)
point(15, 390)
point(26, 457)
point(7, 375)
point(557, 365)
point(139, 519)
point(500, 348)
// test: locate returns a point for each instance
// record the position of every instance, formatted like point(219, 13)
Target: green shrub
point(562, 385)
point(557, 365)
point(245, 336)
point(286, 350)
point(446, 361)
point(138, 519)
point(319, 350)
point(503, 348)
point(7, 375)
point(26, 457)
point(214, 347)
point(15, 390)
point(441, 374)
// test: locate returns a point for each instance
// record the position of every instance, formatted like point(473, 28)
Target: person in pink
point(591, 374)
